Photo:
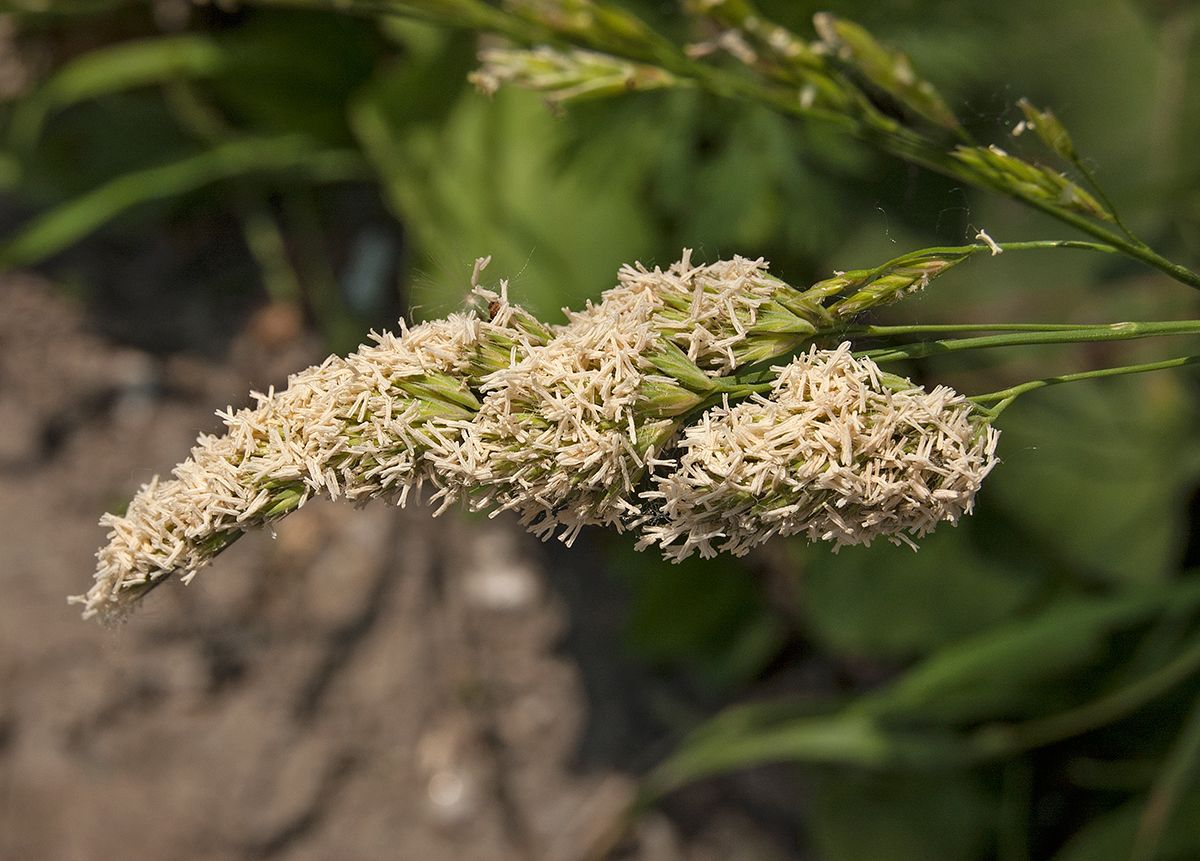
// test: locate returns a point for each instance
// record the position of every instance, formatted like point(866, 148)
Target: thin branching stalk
point(1018, 335)
point(1003, 398)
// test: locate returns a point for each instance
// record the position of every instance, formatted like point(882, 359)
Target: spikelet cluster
point(369, 425)
point(838, 451)
point(562, 436)
point(723, 315)
point(585, 423)
point(567, 430)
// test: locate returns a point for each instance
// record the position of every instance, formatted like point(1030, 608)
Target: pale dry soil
point(371, 684)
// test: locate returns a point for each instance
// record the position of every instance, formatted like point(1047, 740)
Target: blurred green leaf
point(1177, 776)
point(113, 69)
point(860, 815)
point(737, 180)
point(890, 602)
point(1111, 837)
point(706, 614)
point(58, 9)
point(483, 183)
point(296, 71)
point(747, 735)
point(1100, 475)
point(58, 228)
point(99, 140)
point(10, 172)
point(1000, 673)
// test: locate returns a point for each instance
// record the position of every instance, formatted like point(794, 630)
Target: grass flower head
point(838, 451)
point(565, 425)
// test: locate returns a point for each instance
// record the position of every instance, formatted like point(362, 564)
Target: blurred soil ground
point(371, 684)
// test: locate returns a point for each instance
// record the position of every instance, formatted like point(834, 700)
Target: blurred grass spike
point(603, 25)
point(471, 14)
point(567, 76)
point(887, 68)
point(562, 16)
point(766, 35)
point(1047, 127)
point(778, 53)
point(997, 169)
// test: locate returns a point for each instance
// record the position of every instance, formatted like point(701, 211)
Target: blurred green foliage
point(1021, 687)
